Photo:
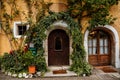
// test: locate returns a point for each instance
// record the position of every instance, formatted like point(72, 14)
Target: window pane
point(21, 29)
point(101, 50)
point(94, 42)
point(89, 42)
point(58, 43)
point(90, 51)
point(106, 50)
point(101, 42)
point(106, 42)
point(94, 50)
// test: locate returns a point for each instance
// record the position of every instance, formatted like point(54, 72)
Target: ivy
point(96, 10)
point(78, 49)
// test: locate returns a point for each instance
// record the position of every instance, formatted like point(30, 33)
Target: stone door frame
point(116, 56)
point(57, 25)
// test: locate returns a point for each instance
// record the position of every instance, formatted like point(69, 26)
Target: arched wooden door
point(58, 48)
point(99, 48)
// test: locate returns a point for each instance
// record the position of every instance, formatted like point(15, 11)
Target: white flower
point(30, 75)
point(38, 73)
point(24, 74)
point(84, 75)
point(14, 75)
point(9, 74)
point(20, 75)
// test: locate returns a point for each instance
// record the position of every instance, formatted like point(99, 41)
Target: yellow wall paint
point(57, 1)
point(115, 11)
point(4, 44)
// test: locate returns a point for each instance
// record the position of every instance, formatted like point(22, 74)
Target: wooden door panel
point(58, 55)
point(99, 48)
point(93, 60)
point(104, 60)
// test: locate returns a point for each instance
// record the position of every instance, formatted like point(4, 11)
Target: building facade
point(101, 44)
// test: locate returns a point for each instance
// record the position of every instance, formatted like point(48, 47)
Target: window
point(58, 43)
point(92, 44)
point(19, 29)
point(98, 42)
point(103, 42)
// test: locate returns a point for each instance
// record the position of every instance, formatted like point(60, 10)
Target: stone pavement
point(96, 75)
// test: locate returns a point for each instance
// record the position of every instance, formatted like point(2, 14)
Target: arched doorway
point(58, 48)
point(99, 48)
point(115, 61)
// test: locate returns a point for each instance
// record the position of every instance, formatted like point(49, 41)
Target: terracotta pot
point(32, 69)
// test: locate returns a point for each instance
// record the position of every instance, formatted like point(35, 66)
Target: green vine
point(96, 10)
point(7, 19)
point(79, 65)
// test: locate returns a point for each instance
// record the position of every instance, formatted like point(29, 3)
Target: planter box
point(59, 72)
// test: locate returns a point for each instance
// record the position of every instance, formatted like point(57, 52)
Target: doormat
point(107, 69)
point(59, 72)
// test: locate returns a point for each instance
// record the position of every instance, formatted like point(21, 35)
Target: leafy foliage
point(13, 62)
point(96, 10)
point(78, 49)
point(18, 61)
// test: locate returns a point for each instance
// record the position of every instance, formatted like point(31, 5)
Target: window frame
point(99, 47)
point(15, 28)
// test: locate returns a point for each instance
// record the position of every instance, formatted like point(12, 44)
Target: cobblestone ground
point(95, 76)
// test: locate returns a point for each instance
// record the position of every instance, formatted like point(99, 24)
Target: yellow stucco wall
point(4, 43)
point(56, 1)
point(115, 11)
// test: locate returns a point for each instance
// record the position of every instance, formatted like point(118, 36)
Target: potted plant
point(30, 61)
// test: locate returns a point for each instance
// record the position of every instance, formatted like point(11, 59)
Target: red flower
point(11, 52)
point(25, 48)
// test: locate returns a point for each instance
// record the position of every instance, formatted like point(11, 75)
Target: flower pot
point(32, 69)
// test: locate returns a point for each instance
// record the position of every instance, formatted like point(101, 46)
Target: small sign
point(34, 50)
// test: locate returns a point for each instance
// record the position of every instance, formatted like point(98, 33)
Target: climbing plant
point(98, 13)
point(18, 50)
point(79, 65)
point(95, 11)
point(7, 19)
